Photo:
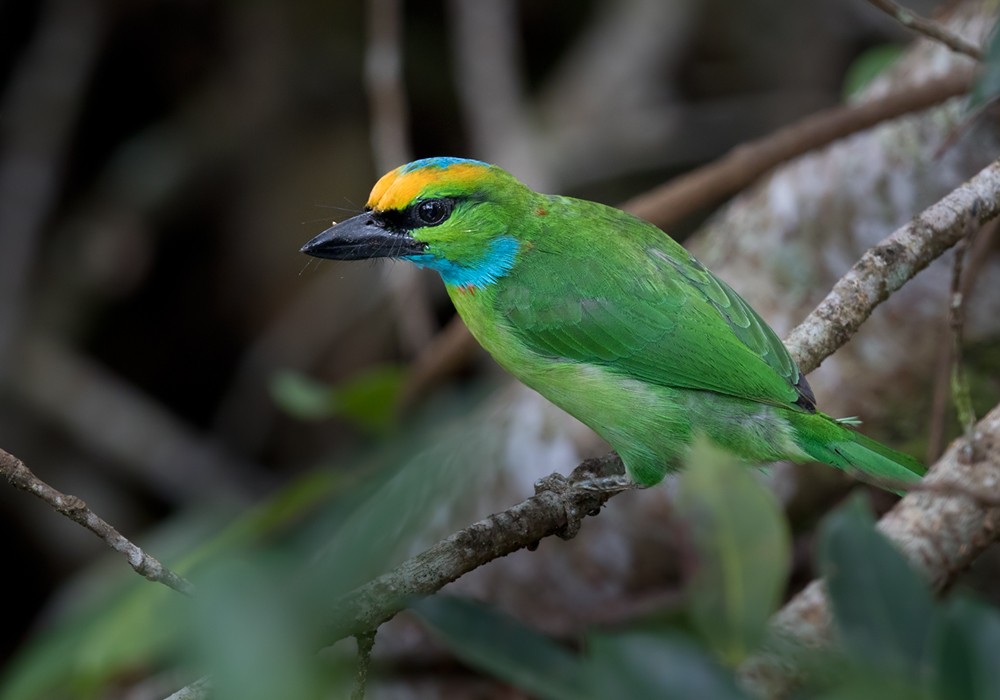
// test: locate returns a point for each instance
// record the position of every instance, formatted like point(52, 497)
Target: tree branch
point(76, 510)
point(881, 271)
point(724, 177)
point(929, 28)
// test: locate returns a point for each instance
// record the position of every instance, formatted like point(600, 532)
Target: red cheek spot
point(469, 289)
point(541, 211)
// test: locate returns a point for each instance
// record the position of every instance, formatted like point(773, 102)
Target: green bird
point(607, 317)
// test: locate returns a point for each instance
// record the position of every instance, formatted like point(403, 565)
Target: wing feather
point(650, 312)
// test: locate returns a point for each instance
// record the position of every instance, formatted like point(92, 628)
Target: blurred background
point(167, 353)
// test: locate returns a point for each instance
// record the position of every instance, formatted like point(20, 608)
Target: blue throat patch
point(495, 264)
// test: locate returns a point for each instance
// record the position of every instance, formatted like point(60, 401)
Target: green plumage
point(612, 320)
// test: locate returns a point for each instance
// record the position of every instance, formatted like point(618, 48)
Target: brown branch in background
point(929, 28)
point(390, 124)
point(147, 442)
point(489, 84)
point(390, 115)
point(39, 111)
point(450, 350)
point(247, 414)
point(709, 184)
point(76, 510)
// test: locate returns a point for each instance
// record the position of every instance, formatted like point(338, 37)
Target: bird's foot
point(611, 485)
point(558, 484)
point(600, 486)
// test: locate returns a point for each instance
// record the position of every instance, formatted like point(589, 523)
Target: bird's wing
point(652, 313)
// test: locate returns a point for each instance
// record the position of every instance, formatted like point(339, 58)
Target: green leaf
point(302, 397)
point(368, 400)
point(119, 622)
point(883, 609)
point(868, 65)
point(987, 87)
point(967, 650)
point(662, 665)
point(249, 634)
point(500, 645)
point(861, 685)
point(743, 550)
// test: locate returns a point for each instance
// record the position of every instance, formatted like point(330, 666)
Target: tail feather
point(827, 441)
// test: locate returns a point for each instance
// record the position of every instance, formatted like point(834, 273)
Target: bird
point(607, 317)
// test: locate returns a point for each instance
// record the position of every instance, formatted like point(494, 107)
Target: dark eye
point(433, 211)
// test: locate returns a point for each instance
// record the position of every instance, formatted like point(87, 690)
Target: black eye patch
point(429, 212)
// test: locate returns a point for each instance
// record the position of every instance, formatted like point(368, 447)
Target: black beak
point(362, 237)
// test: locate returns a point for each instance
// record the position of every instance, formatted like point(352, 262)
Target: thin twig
point(733, 172)
point(366, 641)
point(937, 421)
point(76, 510)
point(929, 28)
point(959, 379)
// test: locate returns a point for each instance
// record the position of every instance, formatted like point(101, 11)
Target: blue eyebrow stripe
point(440, 163)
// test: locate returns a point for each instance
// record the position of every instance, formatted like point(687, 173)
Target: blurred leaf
point(250, 636)
point(743, 552)
point(128, 623)
point(968, 651)
point(131, 624)
point(987, 87)
point(883, 609)
point(868, 65)
point(662, 665)
point(368, 400)
point(500, 645)
point(302, 397)
point(872, 685)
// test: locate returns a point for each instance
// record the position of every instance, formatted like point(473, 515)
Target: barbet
point(607, 317)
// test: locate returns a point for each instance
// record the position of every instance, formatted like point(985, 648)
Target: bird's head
point(454, 215)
